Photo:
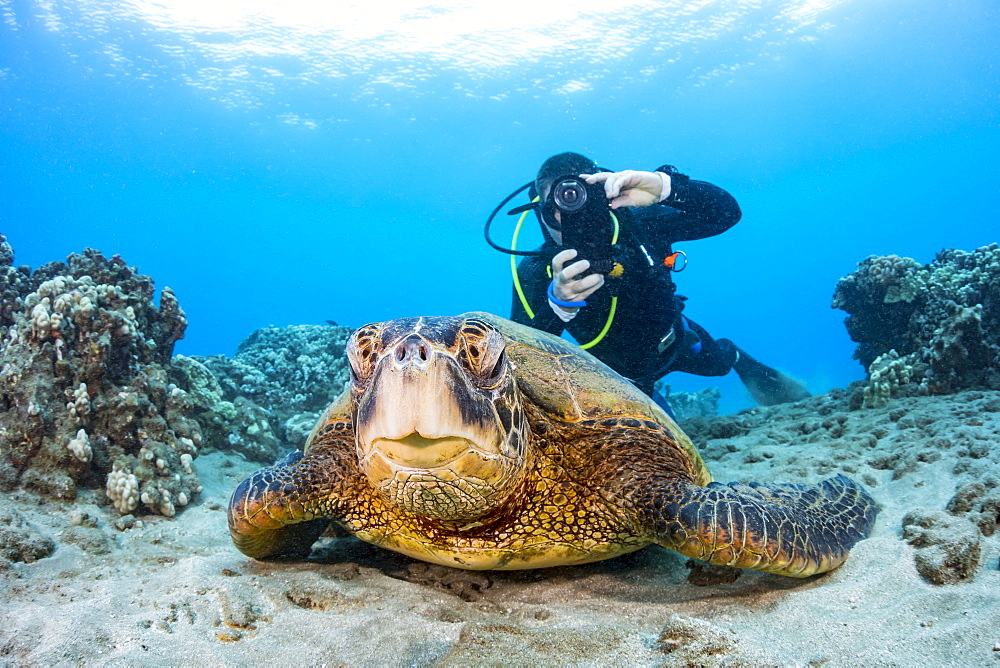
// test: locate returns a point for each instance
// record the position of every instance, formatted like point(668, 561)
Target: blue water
point(289, 163)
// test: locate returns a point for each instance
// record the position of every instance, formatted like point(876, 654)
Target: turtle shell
point(570, 385)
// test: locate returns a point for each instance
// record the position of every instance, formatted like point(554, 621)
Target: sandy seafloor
point(175, 591)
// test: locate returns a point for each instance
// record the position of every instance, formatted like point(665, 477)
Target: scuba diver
point(604, 272)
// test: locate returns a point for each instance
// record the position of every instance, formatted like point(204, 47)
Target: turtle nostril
point(413, 349)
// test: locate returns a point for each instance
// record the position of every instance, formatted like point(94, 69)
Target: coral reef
point(687, 405)
point(925, 329)
point(84, 397)
point(293, 373)
point(298, 427)
point(239, 425)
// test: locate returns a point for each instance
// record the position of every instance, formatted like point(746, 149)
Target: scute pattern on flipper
point(283, 509)
point(795, 530)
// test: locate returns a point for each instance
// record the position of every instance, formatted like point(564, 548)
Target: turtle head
point(438, 416)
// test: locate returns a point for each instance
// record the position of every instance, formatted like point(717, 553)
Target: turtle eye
point(361, 352)
point(498, 368)
point(484, 351)
point(492, 361)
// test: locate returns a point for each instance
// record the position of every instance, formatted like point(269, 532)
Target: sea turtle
point(478, 443)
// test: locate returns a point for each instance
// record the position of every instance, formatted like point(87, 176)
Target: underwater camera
point(584, 221)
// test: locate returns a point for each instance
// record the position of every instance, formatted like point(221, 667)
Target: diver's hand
point(567, 284)
point(630, 188)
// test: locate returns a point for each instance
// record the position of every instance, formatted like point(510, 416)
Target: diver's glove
point(631, 188)
point(568, 290)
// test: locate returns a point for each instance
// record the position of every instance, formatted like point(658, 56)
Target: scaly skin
point(281, 510)
point(794, 530)
point(558, 516)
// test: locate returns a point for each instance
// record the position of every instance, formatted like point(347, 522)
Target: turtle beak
point(421, 409)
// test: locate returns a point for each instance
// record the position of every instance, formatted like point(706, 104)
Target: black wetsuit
point(647, 310)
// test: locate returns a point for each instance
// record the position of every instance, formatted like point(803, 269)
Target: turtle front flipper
point(795, 530)
point(273, 513)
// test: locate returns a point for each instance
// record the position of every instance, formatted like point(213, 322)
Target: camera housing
point(585, 224)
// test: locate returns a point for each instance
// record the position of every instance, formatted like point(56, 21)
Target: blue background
point(289, 172)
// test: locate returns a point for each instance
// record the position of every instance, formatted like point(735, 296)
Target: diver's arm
point(704, 209)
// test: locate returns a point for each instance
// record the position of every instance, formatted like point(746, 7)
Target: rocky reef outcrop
point(267, 398)
point(687, 405)
point(85, 398)
point(924, 329)
point(236, 423)
point(92, 397)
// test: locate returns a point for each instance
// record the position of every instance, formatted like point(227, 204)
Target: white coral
point(41, 321)
point(63, 303)
point(166, 505)
point(80, 406)
point(902, 278)
point(129, 326)
point(887, 373)
point(123, 489)
point(80, 447)
point(61, 299)
point(188, 445)
point(159, 499)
